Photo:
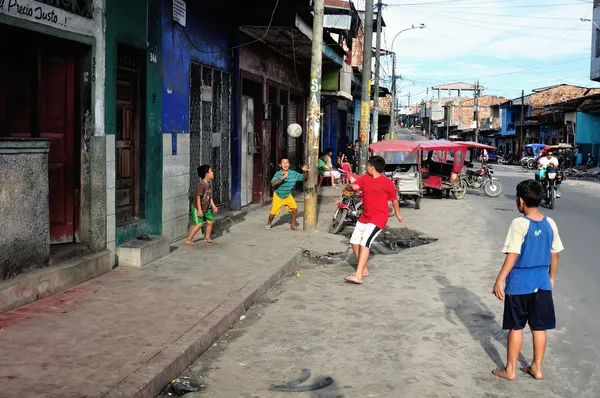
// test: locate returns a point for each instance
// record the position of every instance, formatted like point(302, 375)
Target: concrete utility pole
point(393, 114)
point(476, 111)
point(314, 118)
point(377, 72)
point(365, 101)
point(522, 137)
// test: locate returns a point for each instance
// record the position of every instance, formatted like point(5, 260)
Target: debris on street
point(184, 385)
point(589, 174)
point(294, 386)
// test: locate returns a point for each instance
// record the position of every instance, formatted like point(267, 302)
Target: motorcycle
point(550, 180)
point(479, 179)
point(349, 209)
point(508, 159)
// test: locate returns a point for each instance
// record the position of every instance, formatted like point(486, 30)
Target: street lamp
point(393, 110)
point(590, 20)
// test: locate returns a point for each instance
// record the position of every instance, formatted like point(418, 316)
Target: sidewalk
point(129, 332)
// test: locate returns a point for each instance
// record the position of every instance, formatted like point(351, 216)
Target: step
point(34, 285)
point(139, 252)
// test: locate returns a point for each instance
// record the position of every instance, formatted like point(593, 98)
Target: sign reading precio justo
point(44, 14)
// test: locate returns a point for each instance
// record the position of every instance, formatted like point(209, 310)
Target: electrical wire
point(457, 20)
point(237, 46)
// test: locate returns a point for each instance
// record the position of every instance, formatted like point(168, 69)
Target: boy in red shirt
point(377, 191)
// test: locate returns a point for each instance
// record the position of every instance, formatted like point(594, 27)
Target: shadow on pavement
point(476, 317)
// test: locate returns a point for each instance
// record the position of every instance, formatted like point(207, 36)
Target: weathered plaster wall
point(208, 44)
point(261, 61)
point(25, 232)
point(136, 23)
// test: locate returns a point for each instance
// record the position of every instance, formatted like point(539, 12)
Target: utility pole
point(431, 114)
point(522, 137)
point(377, 71)
point(314, 118)
point(476, 111)
point(448, 109)
point(393, 115)
point(365, 101)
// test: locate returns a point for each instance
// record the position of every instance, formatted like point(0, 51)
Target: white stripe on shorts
point(364, 234)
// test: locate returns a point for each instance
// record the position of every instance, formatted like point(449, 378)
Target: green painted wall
point(137, 23)
point(330, 80)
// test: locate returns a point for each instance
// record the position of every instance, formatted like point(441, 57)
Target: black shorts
point(537, 309)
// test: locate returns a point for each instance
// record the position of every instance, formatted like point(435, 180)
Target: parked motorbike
point(478, 179)
point(508, 159)
point(550, 181)
point(349, 209)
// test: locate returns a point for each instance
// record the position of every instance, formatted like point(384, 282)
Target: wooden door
point(56, 122)
point(127, 140)
point(37, 99)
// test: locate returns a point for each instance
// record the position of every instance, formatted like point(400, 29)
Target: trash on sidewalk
point(184, 385)
point(242, 317)
point(294, 272)
point(294, 386)
point(328, 258)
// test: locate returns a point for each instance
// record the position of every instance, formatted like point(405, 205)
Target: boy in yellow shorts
point(283, 182)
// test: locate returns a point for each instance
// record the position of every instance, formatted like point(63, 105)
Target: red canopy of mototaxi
point(394, 146)
point(472, 144)
point(441, 145)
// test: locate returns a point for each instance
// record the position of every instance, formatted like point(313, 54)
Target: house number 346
point(153, 58)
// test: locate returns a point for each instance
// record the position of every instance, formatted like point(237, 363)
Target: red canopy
point(441, 145)
point(394, 146)
point(472, 144)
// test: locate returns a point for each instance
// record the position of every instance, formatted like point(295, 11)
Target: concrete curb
point(151, 378)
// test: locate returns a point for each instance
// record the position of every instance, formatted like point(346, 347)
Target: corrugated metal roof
point(337, 21)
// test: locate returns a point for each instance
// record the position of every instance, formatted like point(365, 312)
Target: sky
point(509, 45)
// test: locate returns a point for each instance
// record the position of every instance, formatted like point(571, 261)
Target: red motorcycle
point(349, 209)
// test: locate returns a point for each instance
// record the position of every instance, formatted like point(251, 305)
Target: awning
point(472, 144)
point(394, 146)
point(337, 94)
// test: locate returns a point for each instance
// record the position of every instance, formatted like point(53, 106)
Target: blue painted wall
point(208, 35)
point(206, 39)
point(330, 128)
point(511, 115)
point(588, 128)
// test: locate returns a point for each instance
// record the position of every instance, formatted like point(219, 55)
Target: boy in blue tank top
point(526, 280)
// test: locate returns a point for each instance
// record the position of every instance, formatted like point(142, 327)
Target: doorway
point(128, 137)
point(39, 98)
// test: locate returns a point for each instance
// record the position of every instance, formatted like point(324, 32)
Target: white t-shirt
point(544, 162)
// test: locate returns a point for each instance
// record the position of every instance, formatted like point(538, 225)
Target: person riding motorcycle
point(546, 160)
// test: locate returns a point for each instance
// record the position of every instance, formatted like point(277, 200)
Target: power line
point(457, 20)
point(488, 2)
point(239, 45)
point(496, 23)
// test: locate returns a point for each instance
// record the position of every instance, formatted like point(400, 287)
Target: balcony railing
point(511, 126)
point(84, 8)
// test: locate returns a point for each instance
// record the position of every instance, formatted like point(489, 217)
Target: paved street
point(425, 323)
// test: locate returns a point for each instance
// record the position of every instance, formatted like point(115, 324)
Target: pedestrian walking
point(526, 280)
point(377, 191)
point(283, 182)
point(203, 205)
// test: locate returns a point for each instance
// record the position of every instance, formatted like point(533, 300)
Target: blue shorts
point(537, 309)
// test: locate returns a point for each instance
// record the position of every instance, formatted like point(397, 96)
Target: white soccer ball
point(294, 130)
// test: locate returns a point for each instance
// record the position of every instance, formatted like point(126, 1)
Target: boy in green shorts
point(203, 206)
